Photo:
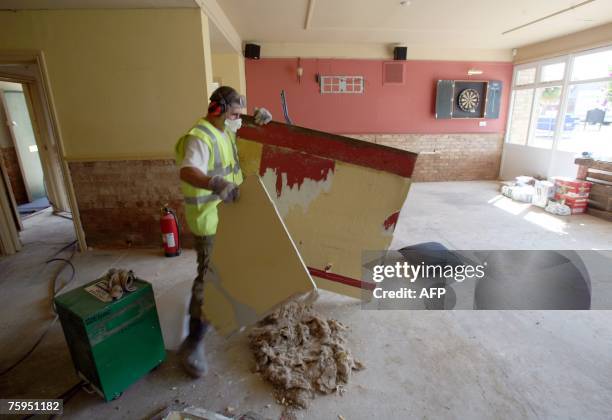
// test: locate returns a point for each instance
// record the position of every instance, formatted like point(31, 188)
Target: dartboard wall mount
point(468, 99)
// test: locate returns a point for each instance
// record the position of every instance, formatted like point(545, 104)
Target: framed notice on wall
point(341, 84)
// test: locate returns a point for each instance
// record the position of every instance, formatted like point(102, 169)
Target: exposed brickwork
point(120, 201)
point(11, 162)
point(448, 157)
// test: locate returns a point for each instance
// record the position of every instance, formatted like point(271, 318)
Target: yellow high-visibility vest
point(201, 204)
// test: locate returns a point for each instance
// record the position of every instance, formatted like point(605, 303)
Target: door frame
point(29, 69)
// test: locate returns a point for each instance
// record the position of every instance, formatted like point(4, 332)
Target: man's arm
point(227, 191)
point(195, 177)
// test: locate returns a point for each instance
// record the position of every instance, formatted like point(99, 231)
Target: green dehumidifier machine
point(113, 341)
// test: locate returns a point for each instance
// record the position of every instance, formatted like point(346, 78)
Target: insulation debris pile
point(302, 353)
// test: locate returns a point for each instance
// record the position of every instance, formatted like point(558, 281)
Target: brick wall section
point(120, 201)
point(448, 157)
point(11, 163)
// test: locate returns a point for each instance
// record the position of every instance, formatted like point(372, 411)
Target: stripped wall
point(13, 171)
point(8, 155)
point(443, 157)
point(120, 201)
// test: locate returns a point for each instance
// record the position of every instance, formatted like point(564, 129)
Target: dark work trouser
point(203, 246)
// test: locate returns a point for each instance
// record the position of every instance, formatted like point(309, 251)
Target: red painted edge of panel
point(332, 146)
point(341, 279)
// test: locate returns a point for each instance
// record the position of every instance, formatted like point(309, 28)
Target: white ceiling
point(463, 24)
point(94, 4)
point(435, 23)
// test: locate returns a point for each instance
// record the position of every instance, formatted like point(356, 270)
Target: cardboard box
point(571, 185)
point(572, 182)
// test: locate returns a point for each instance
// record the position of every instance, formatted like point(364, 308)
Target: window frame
point(565, 84)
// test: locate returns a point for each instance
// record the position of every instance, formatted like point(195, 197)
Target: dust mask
point(234, 125)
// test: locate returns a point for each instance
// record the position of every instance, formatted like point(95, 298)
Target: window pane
point(551, 72)
point(593, 66)
point(521, 109)
point(525, 76)
point(588, 120)
point(545, 112)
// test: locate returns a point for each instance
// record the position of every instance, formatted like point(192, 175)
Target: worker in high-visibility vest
point(210, 173)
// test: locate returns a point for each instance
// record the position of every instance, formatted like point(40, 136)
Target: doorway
point(35, 181)
point(20, 151)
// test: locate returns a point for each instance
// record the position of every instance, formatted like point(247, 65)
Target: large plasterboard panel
point(255, 264)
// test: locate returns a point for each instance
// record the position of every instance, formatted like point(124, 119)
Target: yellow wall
point(208, 69)
point(125, 83)
point(229, 67)
point(590, 38)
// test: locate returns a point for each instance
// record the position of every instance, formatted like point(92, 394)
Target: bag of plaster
point(544, 191)
point(558, 208)
point(506, 190)
point(523, 193)
point(525, 180)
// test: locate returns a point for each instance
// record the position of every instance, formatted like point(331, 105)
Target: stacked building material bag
point(573, 193)
point(544, 190)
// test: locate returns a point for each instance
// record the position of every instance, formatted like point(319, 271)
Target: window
point(564, 104)
point(552, 72)
point(546, 112)
point(592, 66)
point(525, 76)
point(521, 113)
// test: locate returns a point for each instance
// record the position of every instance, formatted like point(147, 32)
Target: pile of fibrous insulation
point(302, 353)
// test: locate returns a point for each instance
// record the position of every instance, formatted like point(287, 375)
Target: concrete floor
point(459, 364)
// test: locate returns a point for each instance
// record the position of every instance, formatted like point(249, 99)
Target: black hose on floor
point(67, 261)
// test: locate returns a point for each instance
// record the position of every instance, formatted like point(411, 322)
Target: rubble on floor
point(302, 353)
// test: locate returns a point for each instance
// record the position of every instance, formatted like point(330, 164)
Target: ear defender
point(218, 108)
point(215, 108)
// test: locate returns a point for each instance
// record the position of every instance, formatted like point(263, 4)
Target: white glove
point(227, 191)
point(262, 116)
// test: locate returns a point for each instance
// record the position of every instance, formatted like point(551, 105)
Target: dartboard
point(468, 100)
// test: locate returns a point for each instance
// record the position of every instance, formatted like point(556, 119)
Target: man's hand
point(262, 116)
point(227, 191)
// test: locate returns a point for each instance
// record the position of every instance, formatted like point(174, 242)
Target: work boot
point(192, 351)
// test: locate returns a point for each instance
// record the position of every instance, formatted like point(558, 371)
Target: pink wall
point(407, 108)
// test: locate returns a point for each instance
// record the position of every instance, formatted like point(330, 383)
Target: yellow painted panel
point(255, 264)
point(250, 156)
point(333, 221)
point(126, 83)
point(345, 218)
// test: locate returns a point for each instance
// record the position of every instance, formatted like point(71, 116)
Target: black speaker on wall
point(252, 51)
point(400, 53)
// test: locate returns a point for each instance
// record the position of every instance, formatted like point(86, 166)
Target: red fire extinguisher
point(170, 233)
